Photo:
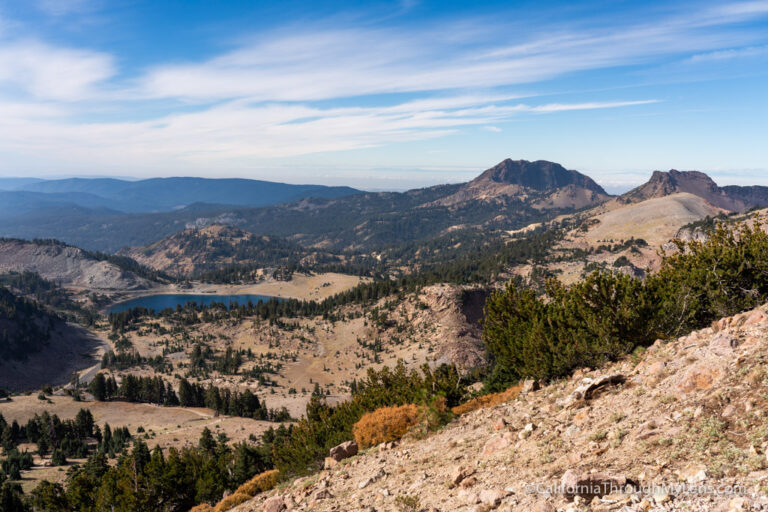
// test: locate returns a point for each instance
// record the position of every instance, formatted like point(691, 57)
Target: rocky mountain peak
point(540, 175)
point(663, 184)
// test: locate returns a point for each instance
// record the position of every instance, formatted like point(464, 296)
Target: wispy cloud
point(331, 63)
point(732, 53)
point(48, 72)
point(269, 97)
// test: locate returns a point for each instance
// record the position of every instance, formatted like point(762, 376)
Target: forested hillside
point(24, 327)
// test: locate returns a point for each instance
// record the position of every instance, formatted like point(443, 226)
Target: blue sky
point(382, 94)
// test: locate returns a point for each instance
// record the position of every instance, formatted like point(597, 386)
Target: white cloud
point(257, 101)
point(332, 63)
point(733, 53)
point(237, 131)
point(49, 72)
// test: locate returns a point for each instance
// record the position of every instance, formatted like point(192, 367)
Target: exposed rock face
point(67, 265)
point(539, 175)
point(731, 198)
point(548, 184)
point(456, 313)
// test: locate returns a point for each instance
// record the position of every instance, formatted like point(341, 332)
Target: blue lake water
point(160, 302)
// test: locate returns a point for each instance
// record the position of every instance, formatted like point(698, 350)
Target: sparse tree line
point(154, 390)
point(61, 439)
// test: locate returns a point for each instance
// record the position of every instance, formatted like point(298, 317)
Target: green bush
point(607, 315)
point(302, 448)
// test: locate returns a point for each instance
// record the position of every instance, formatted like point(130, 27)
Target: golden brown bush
point(487, 401)
point(260, 483)
point(231, 501)
point(386, 424)
point(202, 508)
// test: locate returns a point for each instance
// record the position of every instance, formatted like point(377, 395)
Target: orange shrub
point(260, 483)
point(231, 501)
point(386, 424)
point(202, 508)
point(487, 401)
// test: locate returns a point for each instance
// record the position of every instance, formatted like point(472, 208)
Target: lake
point(160, 302)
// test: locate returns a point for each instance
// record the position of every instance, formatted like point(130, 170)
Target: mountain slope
point(198, 250)
point(732, 198)
point(67, 265)
point(655, 220)
point(37, 347)
point(684, 413)
point(548, 183)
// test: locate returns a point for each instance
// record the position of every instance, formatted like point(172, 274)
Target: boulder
point(723, 344)
point(543, 506)
point(702, 376)
point(492, 497)
point(693, 474)
point(590, 387)
point(460, 473)
point(496, 444)
point(529, 386)
point(344, 451)
point(757, 317)
point(274, 504)
point(591, 485)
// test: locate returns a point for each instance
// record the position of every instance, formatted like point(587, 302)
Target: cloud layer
point(289, 93)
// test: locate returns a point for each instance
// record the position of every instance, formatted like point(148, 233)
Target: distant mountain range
point(109, 214)
point(152, 195)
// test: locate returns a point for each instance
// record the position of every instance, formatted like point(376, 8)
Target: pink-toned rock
point(460, 473)
point(656, 368)
point(330, 463)
point(701, 376)
point(344, 451)
point(543, 506)
point(274, 504)
point(495, 445)
point(468, 497)
point(468, 482)
point(492, 497)
point(500, 424)
point(757, 317)
point(723, 344)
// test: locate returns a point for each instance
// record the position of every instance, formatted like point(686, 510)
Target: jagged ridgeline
point(24, 327)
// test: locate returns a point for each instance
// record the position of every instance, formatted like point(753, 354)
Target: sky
point(382, 94)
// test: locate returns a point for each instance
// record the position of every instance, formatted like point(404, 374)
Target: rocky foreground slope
point(681, 426)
